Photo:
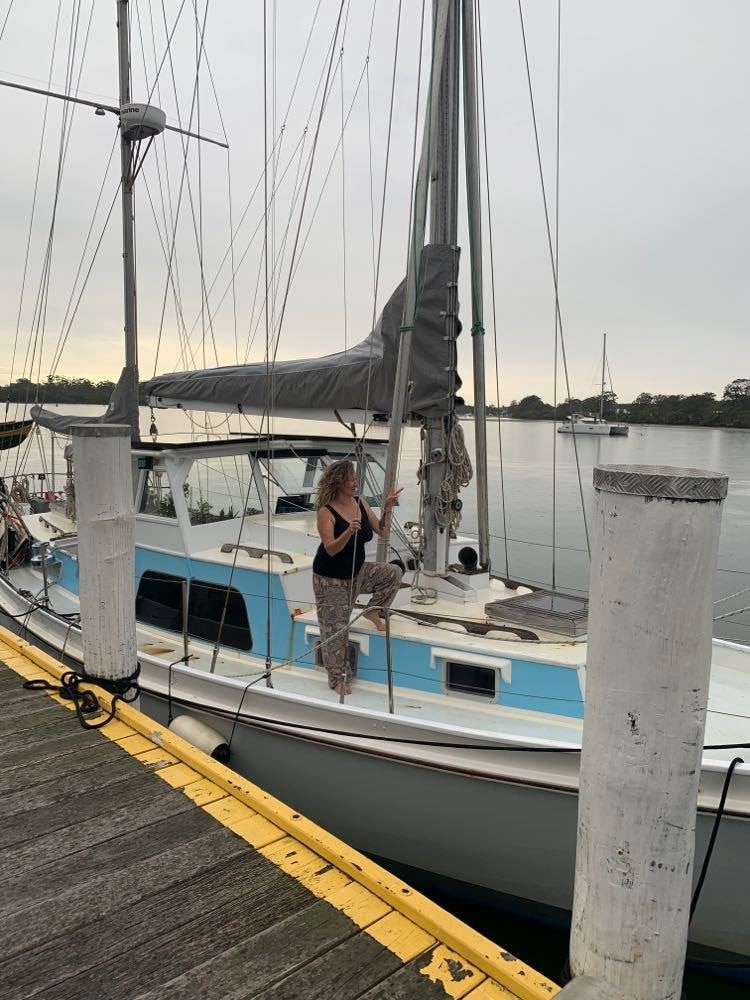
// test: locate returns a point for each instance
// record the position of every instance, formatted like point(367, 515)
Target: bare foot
point(377, 621)
point(343, 689)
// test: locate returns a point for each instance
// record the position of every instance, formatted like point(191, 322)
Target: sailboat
point(580, 423)
point(14, 432)
point(455, 755)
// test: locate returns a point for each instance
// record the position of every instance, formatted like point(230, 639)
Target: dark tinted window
point(159, 600)
point(159, 603)
point(469, 679)
point(205, 610)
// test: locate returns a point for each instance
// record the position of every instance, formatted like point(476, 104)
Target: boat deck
point(135, 866)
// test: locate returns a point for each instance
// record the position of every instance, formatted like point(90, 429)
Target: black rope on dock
point(86, 703)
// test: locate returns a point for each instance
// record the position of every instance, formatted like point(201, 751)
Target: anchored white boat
point(455, 754)
point(580, 423)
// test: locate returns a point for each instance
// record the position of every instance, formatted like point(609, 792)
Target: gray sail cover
point(122, 409)
point(363, 376)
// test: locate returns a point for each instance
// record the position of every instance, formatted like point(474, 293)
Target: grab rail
point(256, 553)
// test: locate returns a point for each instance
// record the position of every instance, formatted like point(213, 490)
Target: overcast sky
point(654, 206)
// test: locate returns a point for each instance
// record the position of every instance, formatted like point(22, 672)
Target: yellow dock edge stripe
point(260, 821)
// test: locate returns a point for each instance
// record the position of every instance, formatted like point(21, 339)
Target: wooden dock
point(133, 865)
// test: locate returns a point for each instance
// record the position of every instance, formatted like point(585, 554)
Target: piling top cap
point(100, 430)
point(661, 481)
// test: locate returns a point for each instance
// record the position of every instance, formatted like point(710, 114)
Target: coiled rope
point(458, 475)
point(86, 702)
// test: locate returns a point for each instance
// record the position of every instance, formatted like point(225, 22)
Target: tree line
point(58, 389)
point(701, 409)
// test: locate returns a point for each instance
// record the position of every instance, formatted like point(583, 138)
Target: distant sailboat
point(579, 423)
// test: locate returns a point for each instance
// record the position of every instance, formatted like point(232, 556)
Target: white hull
point(496, 819)
point(597, 429)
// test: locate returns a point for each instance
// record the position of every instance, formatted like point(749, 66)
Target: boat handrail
point(256, 553)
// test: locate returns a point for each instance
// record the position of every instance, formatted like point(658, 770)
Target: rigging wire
point(389, 135)
point(33, 210)
point(557, 301)
point(5, 20)
point(38, 324)
point(343, 190)
point(173, 277)
point(297, 191)
point(275, 152)
point(64, 333)
point(35, 344)
point(185, 140)
point(552, 259)
point(255, 321)
point(269, 367)
point(492, 279)
point(307, 182)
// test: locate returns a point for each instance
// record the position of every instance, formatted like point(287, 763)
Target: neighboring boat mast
point(579, 423)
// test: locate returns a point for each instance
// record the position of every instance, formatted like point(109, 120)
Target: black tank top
point(348, 562)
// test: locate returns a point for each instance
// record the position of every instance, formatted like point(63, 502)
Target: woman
point(345, 524)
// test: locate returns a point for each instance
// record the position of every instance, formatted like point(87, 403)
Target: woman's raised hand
point(355, 524)
point(392, 498)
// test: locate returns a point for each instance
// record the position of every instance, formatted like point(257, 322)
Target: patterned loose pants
point(335, 600)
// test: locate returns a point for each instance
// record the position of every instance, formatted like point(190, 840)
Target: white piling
point(106, 553)
point(653, 559)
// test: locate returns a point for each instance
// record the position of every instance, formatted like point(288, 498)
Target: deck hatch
point(565, 614)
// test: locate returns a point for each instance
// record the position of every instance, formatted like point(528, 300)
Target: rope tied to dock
point(86, 702)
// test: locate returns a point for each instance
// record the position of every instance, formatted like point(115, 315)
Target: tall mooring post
point(653, 559)
point(106, 548)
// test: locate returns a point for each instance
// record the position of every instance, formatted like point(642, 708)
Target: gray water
point(537, 530)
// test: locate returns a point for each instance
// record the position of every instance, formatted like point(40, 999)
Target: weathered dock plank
point(119, 885)
point(94, 861)
point(74, 809)
point(32, 854)
point(23, 775)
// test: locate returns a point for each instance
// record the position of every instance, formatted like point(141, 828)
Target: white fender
point(201, 736)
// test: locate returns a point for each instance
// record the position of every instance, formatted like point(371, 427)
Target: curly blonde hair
point(336, 474)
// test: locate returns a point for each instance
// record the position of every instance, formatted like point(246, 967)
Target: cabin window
point(205, 610)
point(220, 488)
point(159, 603)
point(156, 498)
point(294, 481)
point(467, 678)
point(159, 600)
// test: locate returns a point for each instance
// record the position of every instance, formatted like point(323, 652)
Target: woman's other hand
point(355, 524)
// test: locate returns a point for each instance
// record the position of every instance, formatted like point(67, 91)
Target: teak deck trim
point(377, 901)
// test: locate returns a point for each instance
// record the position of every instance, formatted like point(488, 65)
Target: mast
point(439, 161)
point(416, 245)
point(474, 211)
point(128, 243)
point(604, 365)
point(443, 230)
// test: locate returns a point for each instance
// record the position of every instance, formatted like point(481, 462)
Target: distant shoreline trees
point(58, 389)
point(701, 409)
